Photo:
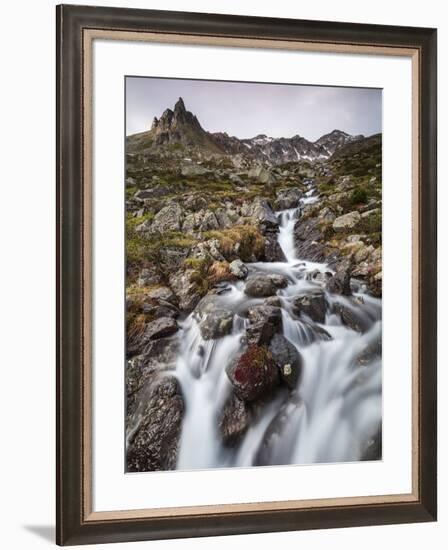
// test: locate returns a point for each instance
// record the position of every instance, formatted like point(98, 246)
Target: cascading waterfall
point(336, 407)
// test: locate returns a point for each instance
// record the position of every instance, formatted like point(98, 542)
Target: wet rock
point(260, 286)
point(238, 268)
point(234, 421)
point(264, 321)
point(288, 359)
point(287, 198)
point(216, 324)
point(154, 445)
point(186, 289)
point(160, 328)
point(339, 283)
point(280, 436)
point(312, 304)
point(351, 317)
point(253, 374)
point(347, 222)
point(280, 281)
point(273, 301)
point(370, 353)
point(272, 250)
point(373, 447)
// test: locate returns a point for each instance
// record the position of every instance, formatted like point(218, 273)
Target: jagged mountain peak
point(180, 106)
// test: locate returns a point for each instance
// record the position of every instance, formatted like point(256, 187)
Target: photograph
point(253, 294)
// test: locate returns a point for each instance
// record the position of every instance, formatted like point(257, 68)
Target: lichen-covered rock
point(347, 222)
point(253, 374)
point(216, 324)
point(260, 286)
point(339, 283)
point(148, 276)
point(162, 294)
point(169, 218)
point(238, 268)
point(154, 445)
point(262, 212)
point(288, 359)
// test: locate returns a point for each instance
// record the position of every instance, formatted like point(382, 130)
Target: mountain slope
point(181, 128)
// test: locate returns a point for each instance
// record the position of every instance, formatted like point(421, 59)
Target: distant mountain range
point(181, 128)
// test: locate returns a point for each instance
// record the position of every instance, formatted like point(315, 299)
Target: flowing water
point(335, 409)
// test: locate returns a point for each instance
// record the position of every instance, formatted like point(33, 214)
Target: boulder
point(288, 359)
point(339, 283)
point(186, 289)
point(154, 445)
point(216, 324)
point(160, 328)
point(253, 374)
point(260, 286)
point(261, 175)
point(238, 268)
point(280, 281)
point(148, 276)
point(234, 421)
point(272, 250)
point(152, 192)
point(351, 317)
point(193, 170)
point(287, 198)
point(264, 321)
point(312, 304)
point(169, 218)
point(162, 294)
point(262, 212)
point(347, 222)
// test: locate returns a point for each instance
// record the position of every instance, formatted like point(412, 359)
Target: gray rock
point(262, 175)
point(288, 359)
point(272, 250)
point(193, 170)
point(234, 421)
point(339, 283)
point(261, 210)
point(312, 304)
point(216, 324)
point(148, 277)
point(162, 293)
point(238, 269)
point(287, 198)
point(154, 446)
point(264, 321)
point(351, 317)
point(170, 218)
point(185, 287)
point(280, 281)
point(160, 328)
point(347, 222)
point(154, 192)
point(260, 286)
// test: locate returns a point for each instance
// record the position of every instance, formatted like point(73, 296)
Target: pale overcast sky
point(247, 109)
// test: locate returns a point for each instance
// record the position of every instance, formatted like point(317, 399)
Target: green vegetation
point(248, 238)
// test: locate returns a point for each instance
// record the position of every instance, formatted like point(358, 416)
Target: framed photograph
point(246, 271)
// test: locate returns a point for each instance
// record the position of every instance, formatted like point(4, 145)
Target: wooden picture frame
point(77, 26)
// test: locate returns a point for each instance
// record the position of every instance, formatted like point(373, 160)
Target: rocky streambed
point(254, 336)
